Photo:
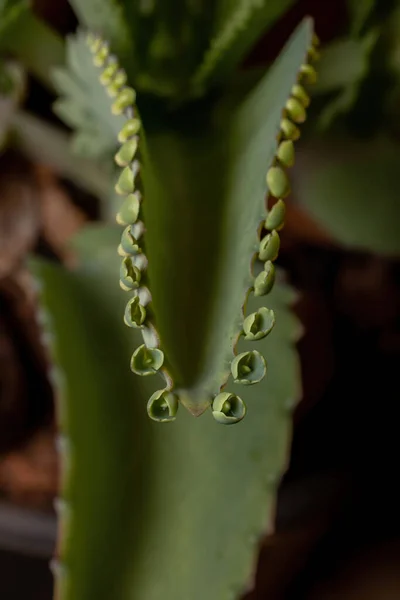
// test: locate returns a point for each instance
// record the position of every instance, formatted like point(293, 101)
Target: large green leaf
point(205, 188)
point(106, 17)
point(157, 512)
point(351, 189)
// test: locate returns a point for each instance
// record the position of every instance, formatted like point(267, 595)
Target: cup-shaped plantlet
point(248, 367)
point(94, 42)
point(129, 245)
point(108, 73)
point(129, 212)
point(124, 100)
point(290, 130)
point(276, 216)
point(126, 182)
point(126, 153)
point(120, 78)
point(147, 361)
point(259, 324)
point(308, 73)
point(313, 54)
point(269, 247)
point(278, 182)
point(130, 275)
point(285, 153)
point(130, 129)
point(228, 409)
point(101, 55)
point(135, 313)
point(300, 93)
point(296, 110)
point(265, 280)
point(163, 406)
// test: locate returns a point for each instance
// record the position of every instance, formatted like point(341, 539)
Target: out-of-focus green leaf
point(157, 512)
point(205, 193)
point(84, 104)
point(239, 24)
point(351, 189)
point(342, 69)
point(359, 10)
point(34, 43)
point(48, 144)
point(12, 89)
point(106, 17)
point(10, 13)
point(343, 62)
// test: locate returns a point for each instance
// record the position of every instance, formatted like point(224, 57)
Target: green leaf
point(10, 13)
point(12, 91)
point(351, 189)
point(106, 17)
point(84, 104)
point(360, 11)
point(157, 512)
point(343, 62)
point(344, 65)
point(204, 191)
point(33, 42)
point(239, 24)
point(44, 142)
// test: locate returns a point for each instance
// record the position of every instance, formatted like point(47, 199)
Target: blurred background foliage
point(337, 528)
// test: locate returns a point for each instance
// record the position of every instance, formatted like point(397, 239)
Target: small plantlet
point(247, 368)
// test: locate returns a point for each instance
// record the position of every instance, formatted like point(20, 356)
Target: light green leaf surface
point(205, 191)
point(84, 104)
point(351, 189)
point(106, 18)
point(158, 512)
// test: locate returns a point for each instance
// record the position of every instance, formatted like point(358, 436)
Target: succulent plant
point(144, 188)
point(201, 176)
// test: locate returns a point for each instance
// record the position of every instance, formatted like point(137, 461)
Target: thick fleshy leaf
point(204, 200)
point(351, 189)
point(157, 511)
point(107, 17)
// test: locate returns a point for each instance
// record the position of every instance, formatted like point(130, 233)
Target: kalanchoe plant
point(139, 184)
point(199, 154)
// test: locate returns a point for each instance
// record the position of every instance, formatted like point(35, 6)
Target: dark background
point(337, 534)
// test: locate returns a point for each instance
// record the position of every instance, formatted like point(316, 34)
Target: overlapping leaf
point(237, 27)
point(107, 17)
point(156, 512)
point(350, 188)
point(83, 104)
point(205, 189)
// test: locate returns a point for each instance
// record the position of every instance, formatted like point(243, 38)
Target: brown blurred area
point(338, 527)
